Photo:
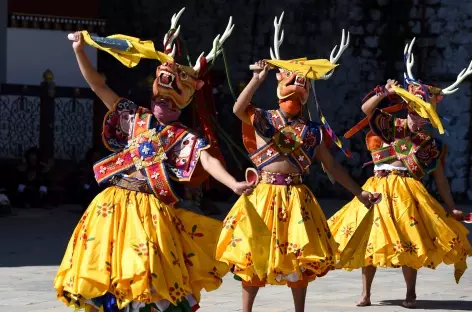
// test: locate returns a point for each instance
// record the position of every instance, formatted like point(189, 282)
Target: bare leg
point(410, 278)
point(368, 274)
point(249, 295)
point(299, 295)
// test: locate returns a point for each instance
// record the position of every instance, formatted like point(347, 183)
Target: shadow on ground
point(451, 305)
point(36, 237)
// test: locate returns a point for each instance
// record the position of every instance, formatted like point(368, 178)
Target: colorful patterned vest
point(419, 152)
point(296, 139)
point(164, 154)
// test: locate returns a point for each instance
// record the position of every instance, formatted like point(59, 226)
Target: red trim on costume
point(159, 183)
point(404, 150)
point(400, 128)
point(384, 154)
point(110, 166)
point(133, 156)
point(415, 168)
point(301, 158)
point(248, 133)
point(142, 121)
point(265, 155)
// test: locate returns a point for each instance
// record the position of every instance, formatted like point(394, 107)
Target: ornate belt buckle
point(287, 140)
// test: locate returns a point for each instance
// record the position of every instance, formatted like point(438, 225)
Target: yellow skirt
point(129, 248)
point(408, 227)
point(278, 235)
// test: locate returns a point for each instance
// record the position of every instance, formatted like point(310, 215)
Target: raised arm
point(93, 78)
point(244, 99)
point(445, 192)
point(371, 104)
point(341, 176)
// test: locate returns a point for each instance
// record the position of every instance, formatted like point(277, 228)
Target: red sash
point(146, 151)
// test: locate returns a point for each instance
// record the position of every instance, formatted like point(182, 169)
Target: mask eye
point(183, 75)
point(288, 73)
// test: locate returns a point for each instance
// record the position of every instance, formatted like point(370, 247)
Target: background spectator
point(88, 187)
point(32, 181)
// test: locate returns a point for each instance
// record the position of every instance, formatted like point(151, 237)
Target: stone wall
point(379, 30)
point(445, 49)
point(3, 40)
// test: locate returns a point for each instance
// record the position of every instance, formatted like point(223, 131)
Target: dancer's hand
point(78, 44)
point(390, 84)
point(243, 187)
point(367, 199)
point(456, 214)
point(262, 68)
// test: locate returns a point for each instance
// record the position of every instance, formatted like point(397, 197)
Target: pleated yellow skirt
point(131, 248)
point(409, 227)
point(278, 235)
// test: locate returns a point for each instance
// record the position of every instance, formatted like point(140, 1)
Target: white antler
point(334, 59)
point(169, 42)
point(278, 40)
point(217, 44)
point(409, 60)
point(462, 75)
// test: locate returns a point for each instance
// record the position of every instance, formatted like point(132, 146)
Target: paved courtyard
point(32, 243)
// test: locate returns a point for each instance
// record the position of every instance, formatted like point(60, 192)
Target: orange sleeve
point(251, 112)
point(248, 132)
point(373, 141)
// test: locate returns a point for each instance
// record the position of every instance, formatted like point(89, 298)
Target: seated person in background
point(32, 181)
point(5, 207)
point(88, 187)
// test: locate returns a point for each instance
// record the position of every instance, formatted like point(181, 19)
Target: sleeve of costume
point(432, 154)
point(184, 159)
point(261, 122)
point(118, 124)
point(314, 136)
point(372, 141)
point(382, 124)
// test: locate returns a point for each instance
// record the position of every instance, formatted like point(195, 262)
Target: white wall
point(31, 51)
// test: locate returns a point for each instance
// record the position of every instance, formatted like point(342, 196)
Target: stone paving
point(32, 243)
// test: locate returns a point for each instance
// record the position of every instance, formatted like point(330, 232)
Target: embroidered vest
point(418, 152)
point(295, 139)
point(163, 154)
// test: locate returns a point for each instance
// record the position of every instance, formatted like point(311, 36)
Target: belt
point(281, 178)
point(131, 184)
point(385, 173)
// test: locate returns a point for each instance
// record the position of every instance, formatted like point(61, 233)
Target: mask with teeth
point(427, 93)
point(290, 85)
point(177, 83)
